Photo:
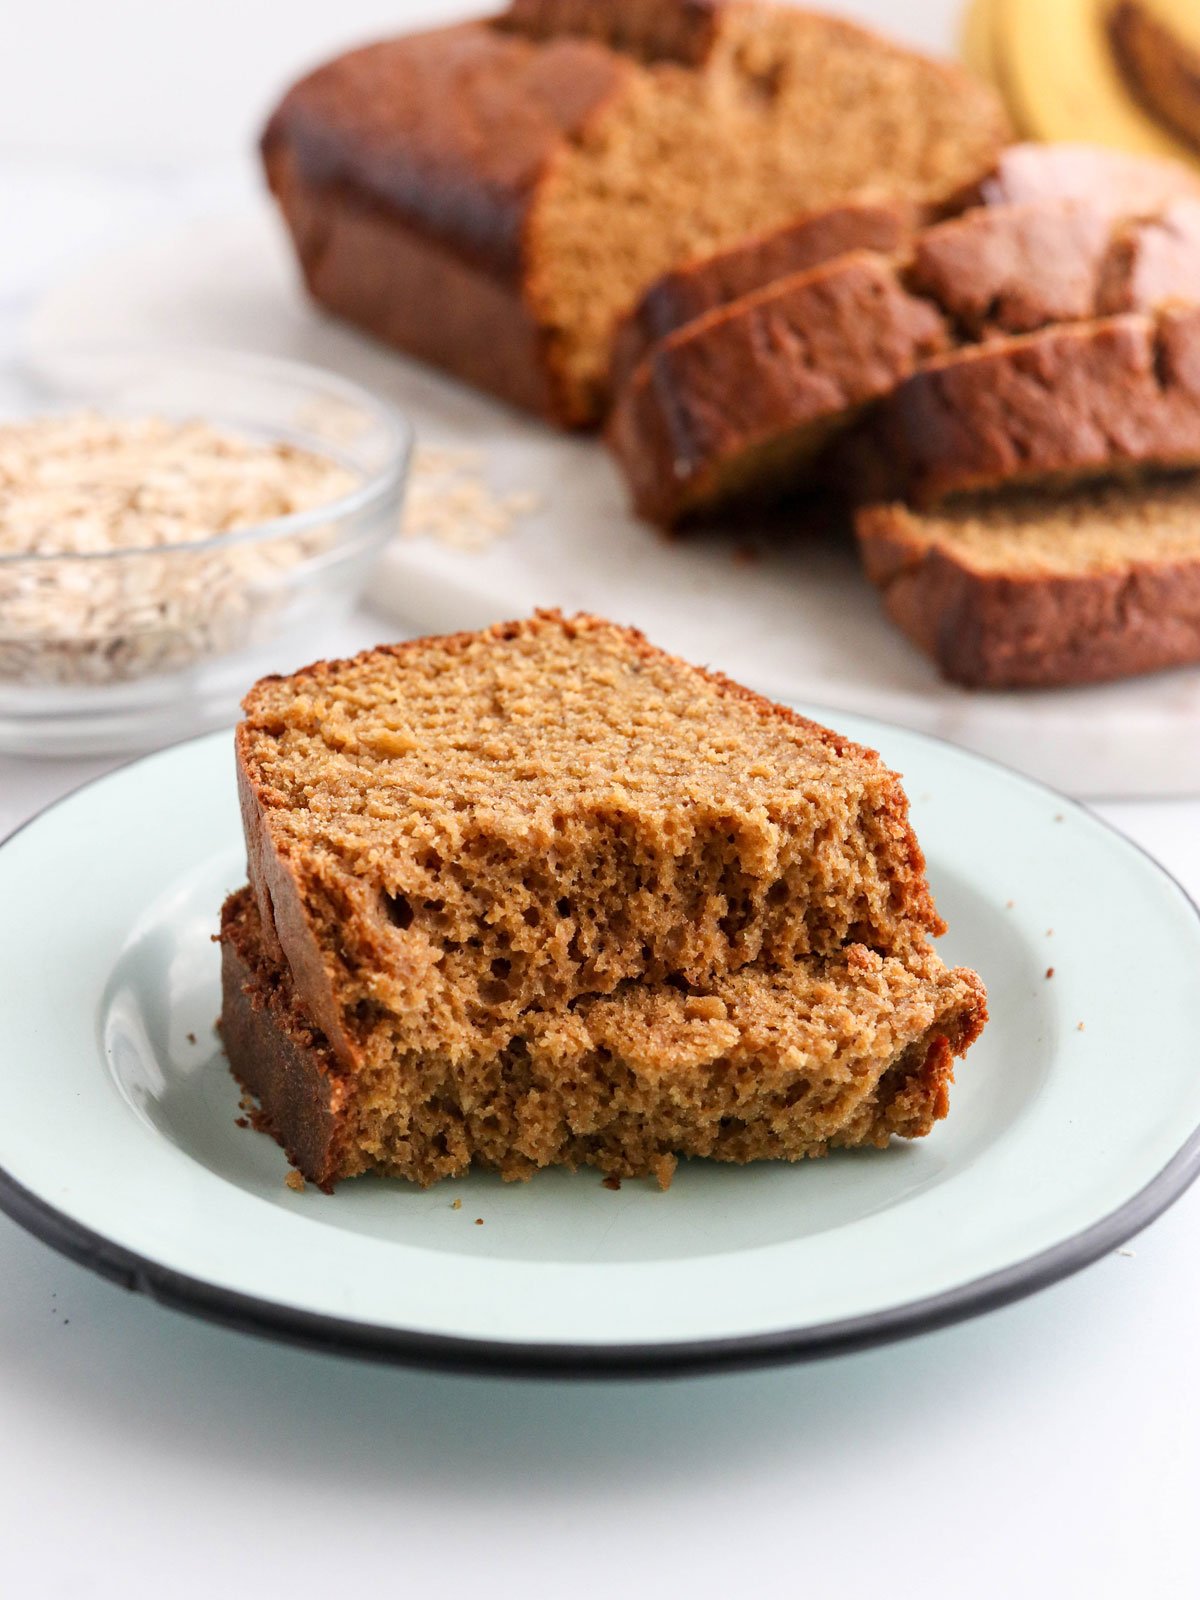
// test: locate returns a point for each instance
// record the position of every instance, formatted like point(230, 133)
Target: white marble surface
point(1050, 1449)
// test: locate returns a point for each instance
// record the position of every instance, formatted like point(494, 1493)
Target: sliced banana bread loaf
point(842, 1050)
point(744, 401)
point(495, 196)
point(1031, 589)
point(448, 832)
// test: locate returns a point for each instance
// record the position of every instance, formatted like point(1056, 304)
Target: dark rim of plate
point(439, 1352)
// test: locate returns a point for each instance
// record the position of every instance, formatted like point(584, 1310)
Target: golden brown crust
point(450, 130)
point(362, 263)
point(1085, 400)
point(989, 629)
point(747, 396)
point(698, 287)
point(276, 1054)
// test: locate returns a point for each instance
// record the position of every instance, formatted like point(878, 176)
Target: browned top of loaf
point(454, 128)
point(525, 720)
point(682, 31)
point(451, 128)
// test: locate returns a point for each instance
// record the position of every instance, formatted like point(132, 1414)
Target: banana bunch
point(1116, 72)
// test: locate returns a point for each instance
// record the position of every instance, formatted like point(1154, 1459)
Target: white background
point(1047, 1450)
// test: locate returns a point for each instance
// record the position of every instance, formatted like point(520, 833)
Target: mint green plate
point(1073, 1123)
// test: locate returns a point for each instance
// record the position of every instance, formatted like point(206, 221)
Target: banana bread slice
point(741, 403)
point(832, 1051)
point(450, 831)
point(1092, 399)
point(709, 282)
point(1032, 588)
point(495, 196)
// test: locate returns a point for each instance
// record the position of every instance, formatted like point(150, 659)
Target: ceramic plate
point(1073, 1123)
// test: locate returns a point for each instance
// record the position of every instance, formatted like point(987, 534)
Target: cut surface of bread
point(844, 1050)
point(1089, 399)
point(557, 160)
point(1033, 589)
point(1158, 43)
point(444, 833)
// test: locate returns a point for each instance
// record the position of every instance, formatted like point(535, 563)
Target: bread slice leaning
point(1035, 589)
point(1091, 399)
point(741, 403)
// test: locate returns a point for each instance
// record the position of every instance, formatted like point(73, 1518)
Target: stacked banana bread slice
point(546, 895)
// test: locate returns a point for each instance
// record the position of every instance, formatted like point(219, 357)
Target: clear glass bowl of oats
point(173, 525)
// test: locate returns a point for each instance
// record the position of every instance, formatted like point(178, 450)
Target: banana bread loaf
point(841, 1050)
point(495, 196)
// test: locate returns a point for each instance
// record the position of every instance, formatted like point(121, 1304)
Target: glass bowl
point(126, 649)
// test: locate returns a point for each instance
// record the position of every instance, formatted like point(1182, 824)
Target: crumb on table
point(456, 1205)
point(191, 1038)
point(295, 1180)
point(241, 1122)
point(611, 1182)
point(479, 1222)
point(1049, 972)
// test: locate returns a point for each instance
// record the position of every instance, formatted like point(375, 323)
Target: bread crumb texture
point(840, 1050)
point(449, 832)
